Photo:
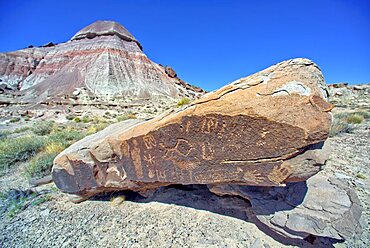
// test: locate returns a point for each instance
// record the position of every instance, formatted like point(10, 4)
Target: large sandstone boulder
point(264, 130)
point(103, 58)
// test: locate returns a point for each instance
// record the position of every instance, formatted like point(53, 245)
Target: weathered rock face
point(15, 67)
point(265, 130)
point(322, 206)
point(103, 58)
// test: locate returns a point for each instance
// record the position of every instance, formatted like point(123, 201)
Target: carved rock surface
point(266, 129)
point(103, 57)
point(323, 206)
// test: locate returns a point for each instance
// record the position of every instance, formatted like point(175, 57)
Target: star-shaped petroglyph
point(149, 159)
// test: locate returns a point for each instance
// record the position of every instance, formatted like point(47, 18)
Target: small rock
point(341, 176)
point(45, 212)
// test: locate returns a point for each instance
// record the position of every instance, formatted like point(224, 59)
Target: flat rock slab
point(265, 130)
point(323, 206)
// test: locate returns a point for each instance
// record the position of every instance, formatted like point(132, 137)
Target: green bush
point(126, 117)
point(21, 130)
point(361, 176)
point(85, 119)
point(4, 134)
point(363, 113)
point(339, 126)
point(183, 101)
point(43, 127)
point(355, 119)
point(70, 117)
point(15, 119)
point(19, 149)
point(96, 128)
point(65, 137)
point(77, 119)
point(345, 122)
point(41, 165)
point(16, 200)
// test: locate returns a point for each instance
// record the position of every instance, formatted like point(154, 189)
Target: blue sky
point(211, 43)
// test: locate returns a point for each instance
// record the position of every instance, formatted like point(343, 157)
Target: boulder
point(323, 206)
point(170, 72)
point(265, 130)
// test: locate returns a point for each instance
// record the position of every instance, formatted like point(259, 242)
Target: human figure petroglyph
point(209, 124)
point(125, 150)
point(187, 126)
point(136, 158)
point(149, 141)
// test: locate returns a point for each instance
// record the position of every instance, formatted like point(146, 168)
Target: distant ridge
point(101, 61)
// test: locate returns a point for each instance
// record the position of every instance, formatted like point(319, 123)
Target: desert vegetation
point(38, 144)
point(346, 122)
point(183, 101)
point(16, 200)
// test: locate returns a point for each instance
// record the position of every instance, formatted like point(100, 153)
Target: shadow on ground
point(199, 197)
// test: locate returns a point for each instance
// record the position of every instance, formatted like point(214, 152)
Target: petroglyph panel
point(195, 149)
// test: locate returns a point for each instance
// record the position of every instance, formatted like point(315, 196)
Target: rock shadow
point(199, 197)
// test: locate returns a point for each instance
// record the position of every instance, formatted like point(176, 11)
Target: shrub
point(96, 128)
point(363, 113)
point(355, 119)
point(183, 101)
point(85, 119)
point(361, 176)
point(26, 118)
point(65, 137)
point(21, 130)
point(57, 141)
point(70, 117)
point(126, 117)
point(4, 134)
point(43, 127)
point(15, 119)
point(77, 119)
point(19, 149)
point(343, 122)
point(41, 164)
point(16, 200)
point(54, 148)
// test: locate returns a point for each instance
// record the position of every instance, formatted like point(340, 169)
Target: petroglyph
point(149, 141)
point(215, 176)
point(253, 176)
point(182, 148)
point(151, 173)
point(207, 151)
point(278, 174)
point(136, 158)
point(149, 159)
point(209, 124)
point(125, 149)
point(161, 174)
point(187, 126)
